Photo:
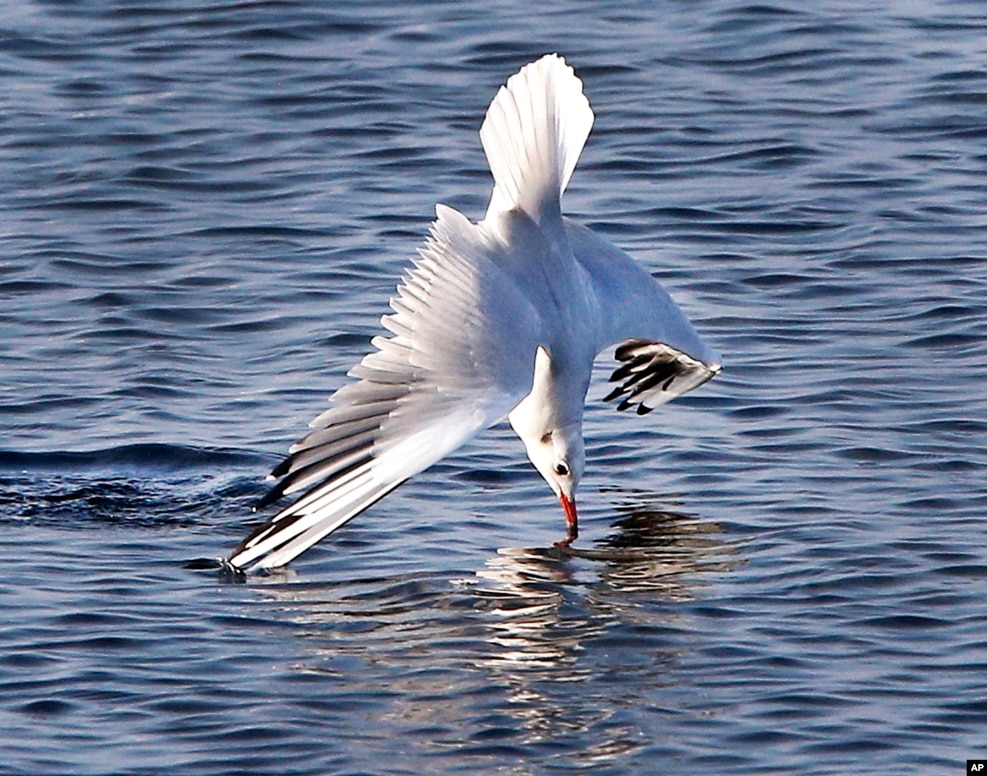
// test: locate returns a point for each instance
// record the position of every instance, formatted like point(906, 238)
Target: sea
point(204, 209)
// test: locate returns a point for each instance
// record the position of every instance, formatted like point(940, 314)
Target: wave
point(150, 457)
point(139, 486)
point(136, 485)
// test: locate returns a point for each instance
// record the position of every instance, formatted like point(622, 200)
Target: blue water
point(203, 212)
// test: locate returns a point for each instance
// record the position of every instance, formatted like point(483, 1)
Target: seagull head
point(559, 457)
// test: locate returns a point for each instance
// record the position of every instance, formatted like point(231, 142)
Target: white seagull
point(498, 318)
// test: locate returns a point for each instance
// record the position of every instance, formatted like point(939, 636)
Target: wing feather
point(654, 373)
point(459, 359)
point(661, 354)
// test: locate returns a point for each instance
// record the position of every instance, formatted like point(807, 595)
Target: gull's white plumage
point(498, 318)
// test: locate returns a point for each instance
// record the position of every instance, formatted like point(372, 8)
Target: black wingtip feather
point(658, 373)
point(282, 468)
point(626, 350)
point(623, 371)
point(648, 367)
point(614, 393)
point(262, 530)
point(270, 497)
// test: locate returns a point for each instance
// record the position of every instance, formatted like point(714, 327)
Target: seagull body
point(503, 317)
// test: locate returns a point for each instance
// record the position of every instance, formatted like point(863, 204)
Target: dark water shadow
point(648, 548)
point(549, 601)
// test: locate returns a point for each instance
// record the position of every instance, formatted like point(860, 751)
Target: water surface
point(204, 211)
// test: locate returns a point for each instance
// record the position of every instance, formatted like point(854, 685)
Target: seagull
point(499, 318)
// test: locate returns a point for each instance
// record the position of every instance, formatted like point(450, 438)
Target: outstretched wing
point(461, 356)
point(663, 356)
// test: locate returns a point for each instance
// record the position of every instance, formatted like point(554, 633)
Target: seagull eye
point(562, 469)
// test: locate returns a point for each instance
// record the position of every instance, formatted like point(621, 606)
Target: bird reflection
point(649, 550)
point(523, 634)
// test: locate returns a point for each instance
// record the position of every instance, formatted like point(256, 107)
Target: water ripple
point(204, 212)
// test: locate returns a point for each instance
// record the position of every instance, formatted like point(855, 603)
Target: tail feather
point(533, 134)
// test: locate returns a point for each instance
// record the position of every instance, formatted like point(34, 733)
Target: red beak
point(571, 520)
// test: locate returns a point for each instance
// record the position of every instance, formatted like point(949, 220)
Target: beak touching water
point(571, 521)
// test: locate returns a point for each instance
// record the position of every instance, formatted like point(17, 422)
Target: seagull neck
point(554, 402)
